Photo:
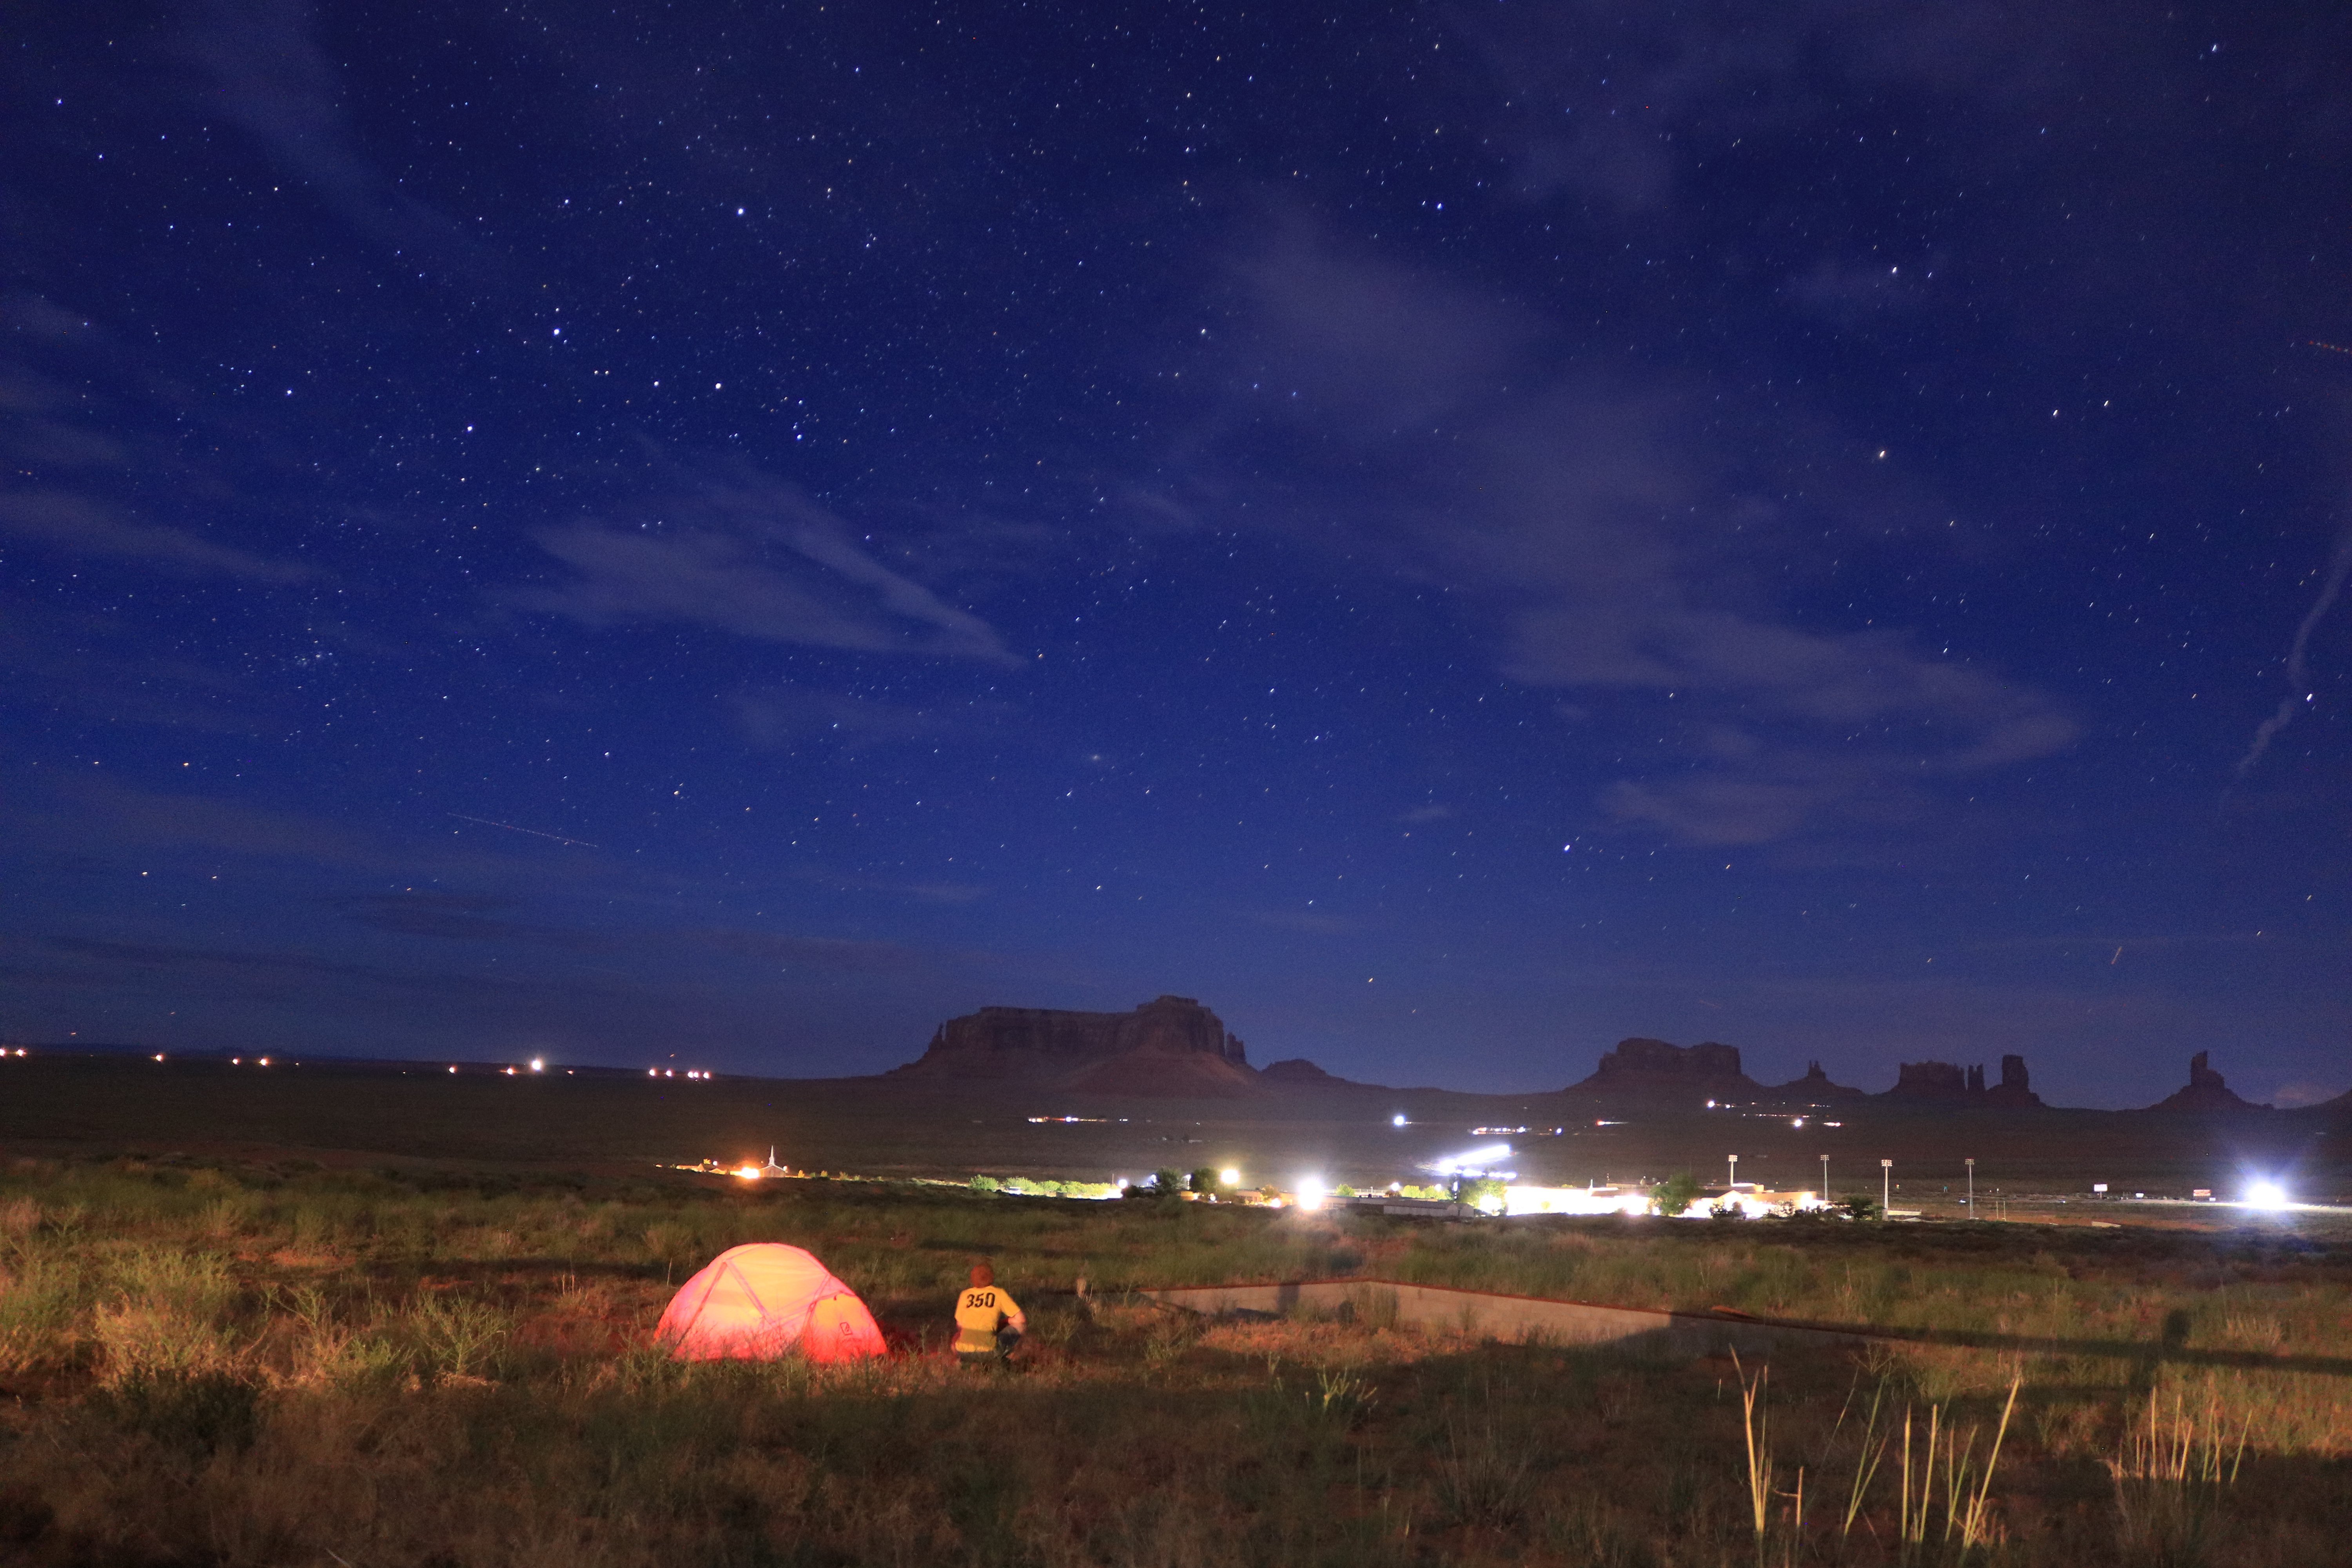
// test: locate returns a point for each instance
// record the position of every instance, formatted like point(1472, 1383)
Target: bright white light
point(1230, 1177)
point(2267, 1196)
point(1312, 1192)
point(265, 1061)
point(539, 1064)
point(1797, 1121)
point(1398, 1120)
point(158, 1056)
point(749, 1172)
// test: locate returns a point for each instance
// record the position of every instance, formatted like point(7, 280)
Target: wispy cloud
point(759, 559)
point(264, 69)
point(775, 719)
point(60, 520)
point(1616, 550)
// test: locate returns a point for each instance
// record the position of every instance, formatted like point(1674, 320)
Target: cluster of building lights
point(672, 1072)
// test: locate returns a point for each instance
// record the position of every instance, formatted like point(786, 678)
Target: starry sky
point(1452, 533)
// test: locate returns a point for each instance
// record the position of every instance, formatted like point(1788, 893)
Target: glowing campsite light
point(2267, 1196)
point(1312, 1192)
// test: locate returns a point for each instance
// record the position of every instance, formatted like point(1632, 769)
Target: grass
point(267, 1364)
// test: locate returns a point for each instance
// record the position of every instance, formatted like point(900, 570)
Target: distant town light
point(749, 1172)
point(265, 1061)
point(1396, 1121)
point(158, 1056)
point(539, 1064)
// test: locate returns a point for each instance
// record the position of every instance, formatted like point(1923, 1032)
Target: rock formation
point(1814, 1087)
point(1943, 1083)
point(2014, 1091)
point(1932, 1081)
point(1172, 1046)
point(2206, 1091)
point(1653, 1070)
point(1300, 1073)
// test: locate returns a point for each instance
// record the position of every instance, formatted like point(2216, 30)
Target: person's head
point(982, 1274)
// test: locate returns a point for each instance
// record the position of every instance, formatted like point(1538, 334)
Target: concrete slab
point(1482, 1314)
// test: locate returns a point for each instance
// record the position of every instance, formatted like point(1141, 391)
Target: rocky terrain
point(1174, 1047)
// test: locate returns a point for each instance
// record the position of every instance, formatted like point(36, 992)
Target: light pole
point(1972, 1188)
point(1734, 1180)
point(1825, 1178)
point(1886, 1186)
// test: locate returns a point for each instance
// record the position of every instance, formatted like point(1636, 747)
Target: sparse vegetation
point(265, 1365)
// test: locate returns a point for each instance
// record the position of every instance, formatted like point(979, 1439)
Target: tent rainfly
point(763, 1301)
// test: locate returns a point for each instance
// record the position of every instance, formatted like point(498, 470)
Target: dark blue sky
point(1452, 533)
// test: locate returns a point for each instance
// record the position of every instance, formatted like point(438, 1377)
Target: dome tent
point(765, 1299)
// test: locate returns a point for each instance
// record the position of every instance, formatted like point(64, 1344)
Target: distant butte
point(1170, 1045)
point(1654, 1072)
point(2206, 1091)
point(1173, 1047)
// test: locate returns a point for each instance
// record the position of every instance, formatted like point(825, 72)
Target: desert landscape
point(386, 1314)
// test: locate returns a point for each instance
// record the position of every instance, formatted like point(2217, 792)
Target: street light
point(1734, 1180)
point(1973, 1187)
point(1886, 1186)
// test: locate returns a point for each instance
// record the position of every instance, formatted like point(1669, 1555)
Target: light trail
point(534, 832)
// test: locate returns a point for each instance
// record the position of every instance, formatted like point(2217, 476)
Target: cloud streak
point(1614, 549)
point(62, 520)
point(2298, 674)
point(759, 559)
point(267, 73)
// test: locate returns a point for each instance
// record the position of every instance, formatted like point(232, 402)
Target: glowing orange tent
point(764, 1301)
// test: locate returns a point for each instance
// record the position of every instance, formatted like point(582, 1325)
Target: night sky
point(1451, 533)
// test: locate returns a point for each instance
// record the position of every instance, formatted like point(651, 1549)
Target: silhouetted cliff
point(2206, 1091)
point(1944, 1083)
point(1170, 1045)
point(1653, 1070)
point(1814, 1087)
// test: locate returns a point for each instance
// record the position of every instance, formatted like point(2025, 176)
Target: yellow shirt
point(979, 1312)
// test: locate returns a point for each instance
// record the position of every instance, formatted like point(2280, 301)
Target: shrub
point(1681, 1190)
point(199, 1413)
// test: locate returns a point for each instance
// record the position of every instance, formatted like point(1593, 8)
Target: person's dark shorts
point(1006, 1341)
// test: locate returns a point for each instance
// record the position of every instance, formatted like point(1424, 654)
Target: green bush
point(1681, 1191)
